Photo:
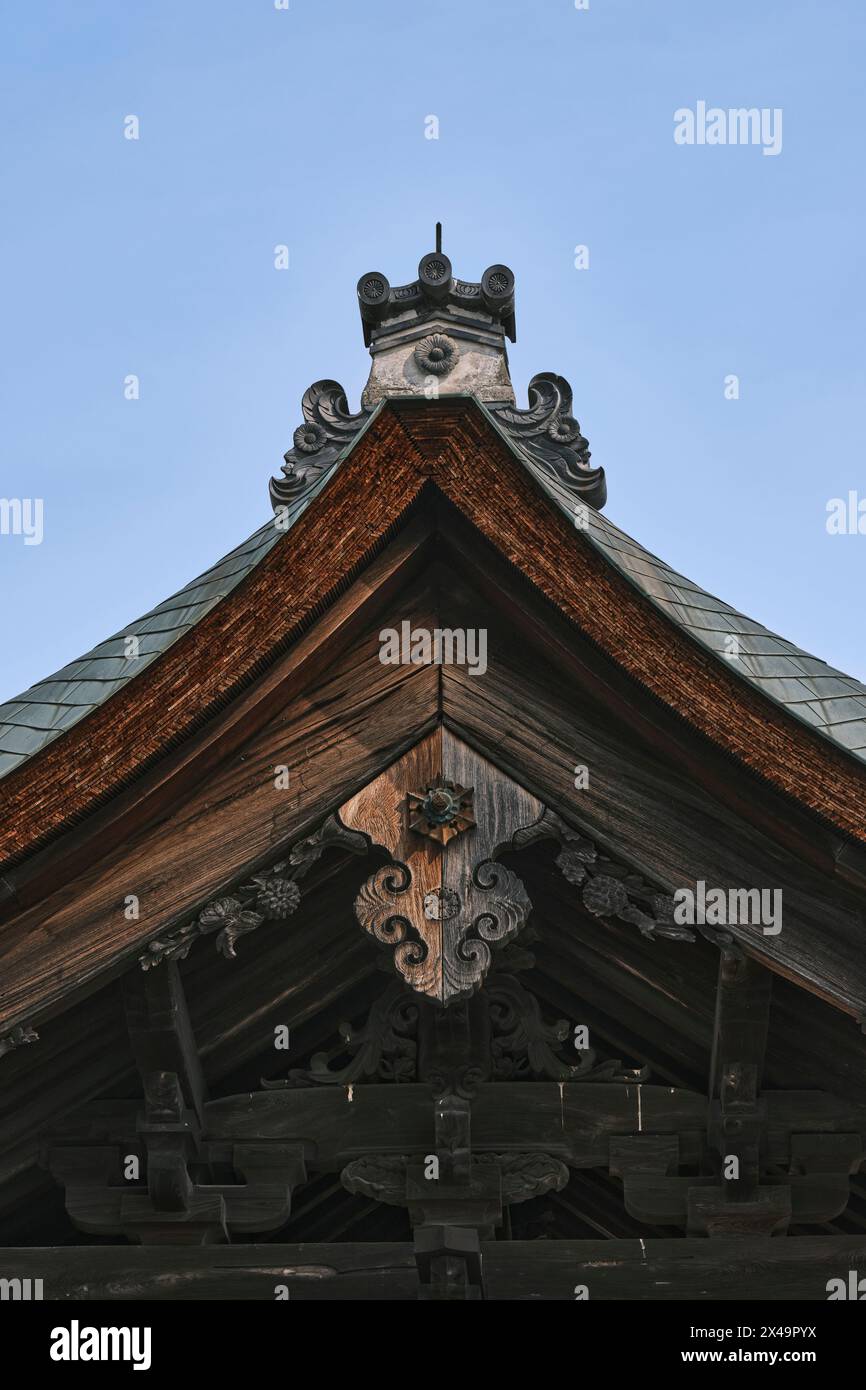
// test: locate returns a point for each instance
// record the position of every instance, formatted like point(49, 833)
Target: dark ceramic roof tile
point(103, 668)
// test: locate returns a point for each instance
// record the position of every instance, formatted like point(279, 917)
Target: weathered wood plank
point(747, 1269)
point(442, 898)
point(658, 1270)
point(330, 742)
point(161, 1033)
point(526, 717)
point(360, 1272)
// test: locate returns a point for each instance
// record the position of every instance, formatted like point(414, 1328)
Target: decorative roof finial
point(438, 333)
point(436, 336)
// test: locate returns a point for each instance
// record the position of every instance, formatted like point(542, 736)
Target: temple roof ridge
point(832, 703)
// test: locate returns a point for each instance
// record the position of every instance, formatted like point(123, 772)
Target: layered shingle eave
point(828, 701)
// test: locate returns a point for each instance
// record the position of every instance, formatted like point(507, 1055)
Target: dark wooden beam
point(742, 1019)
point(161, 1033)
point(573, 1121)
point(741, 1270)
point(691, 1270)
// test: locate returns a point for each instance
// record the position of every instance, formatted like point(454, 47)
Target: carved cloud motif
point(442, 902)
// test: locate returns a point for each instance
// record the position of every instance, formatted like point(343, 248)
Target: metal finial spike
point(438, 236)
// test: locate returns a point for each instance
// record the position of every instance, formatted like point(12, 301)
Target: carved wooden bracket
point(499, 1034)
point(443, 813)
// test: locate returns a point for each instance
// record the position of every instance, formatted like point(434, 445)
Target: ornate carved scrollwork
point(383, 1177)
point(492, 908)
point(526, 1175)
point(328, 427)
point(384, 1049)
point(548, 433)
point(499, 1034)
point(524, 1047)
point(609, 888)
point(441, 906)
point(271, 895)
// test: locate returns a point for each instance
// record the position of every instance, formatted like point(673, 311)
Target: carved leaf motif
point(239, 926)
point(175, 946)
point(271, 893)
point(384, 1049)
point(604, 896)
point(609, 889)
point(331, 834)
point(219, 913)
point(572, 865)
point(233, 918)
point(525, 1047)
point(647, 926)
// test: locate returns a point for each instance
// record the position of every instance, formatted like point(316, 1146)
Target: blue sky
point(260, 126)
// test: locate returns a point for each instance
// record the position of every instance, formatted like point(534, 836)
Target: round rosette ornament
point(436, 354)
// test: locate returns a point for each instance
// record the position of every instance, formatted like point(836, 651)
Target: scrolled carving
point(525, 1048)
point(377, 908)
point(446, 951)
point(270, 895)
point(607, 887)
point(384, 1049)
point(548, 433)
point(498, 1035)
point(328, 427)
point(526, 1175)
point(382, 1177)
point(441, 906)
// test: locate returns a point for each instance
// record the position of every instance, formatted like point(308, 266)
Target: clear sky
point(306, 127)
